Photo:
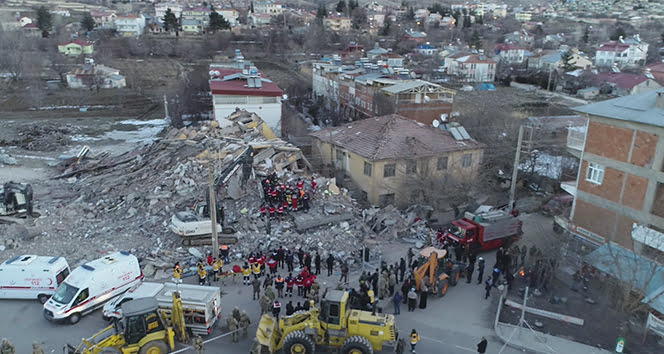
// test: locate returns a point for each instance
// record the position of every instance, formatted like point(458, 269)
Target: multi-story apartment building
point(130, 25)
point(620, 186)
point(510, 53)
point(622, 53)
point(161, 8)
point(470, 67)
point(337, 23)
point(269, 7)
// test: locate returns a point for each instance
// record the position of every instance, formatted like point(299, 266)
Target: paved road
point(453, 324)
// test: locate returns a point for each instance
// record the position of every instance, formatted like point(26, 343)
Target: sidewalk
point(541, 343)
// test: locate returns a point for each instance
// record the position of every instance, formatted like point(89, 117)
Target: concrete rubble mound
point(101, 203)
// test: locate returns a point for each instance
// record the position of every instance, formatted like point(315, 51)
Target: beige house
point(337, 23)
point(389, 156)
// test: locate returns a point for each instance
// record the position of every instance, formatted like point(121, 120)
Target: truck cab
point(485, 231)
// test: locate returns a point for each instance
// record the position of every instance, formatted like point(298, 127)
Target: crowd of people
point(281, 197)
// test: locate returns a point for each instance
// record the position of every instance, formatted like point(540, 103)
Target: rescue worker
point(177, 271)
point(224, 252)
point(330, 264)
point(392, 282)
point(236, 313)
point(315, 290)
point(244, 323)
point(267, 282)
point(197, 343)
point(276, 309)
point(280, 212)
point(216, 269)
point(271, 211)
point(290, 281)
point(372, 301)
point(308, 282)
point(414, 338)
point(384, 283)
point(344, 272)
point(266, 304)
point(313, 185)
point(202, 275)
point(37, 349)
point(246, 273)
point(7, 347)
point(305, 202)
point(317, 263)
point(289, 308)
point(480, 270)
point(272, 264)
point(256, 269)
point(257, 288)
point(299, 282)
point(289, 260)
point(279, 284)
point(232, 327)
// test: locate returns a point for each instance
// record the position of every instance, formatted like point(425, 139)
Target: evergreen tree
point(251, 7)
point(585, 36)
point(475, 41)
point(44, 21)
point(352, 4)
point(218, 22)
point(566, 61)
point(619, 32)
point(88, 22)
point(410, 15)
point(170, 21)
point(341, 6)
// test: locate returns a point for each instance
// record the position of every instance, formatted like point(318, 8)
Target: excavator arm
point(429, 268)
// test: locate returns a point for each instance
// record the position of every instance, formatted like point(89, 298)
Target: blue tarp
point(628, 267)
point(485, 87)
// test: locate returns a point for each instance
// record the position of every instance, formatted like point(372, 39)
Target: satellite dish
point(443, 117)
point(436, 123)
point(427, 98)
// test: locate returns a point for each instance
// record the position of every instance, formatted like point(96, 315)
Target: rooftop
point(79, 42)
point(639, 108)
point(393, 137)
point(231, 81)
point(622, 80)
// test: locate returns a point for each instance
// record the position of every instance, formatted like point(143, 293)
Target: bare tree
point(13, 49)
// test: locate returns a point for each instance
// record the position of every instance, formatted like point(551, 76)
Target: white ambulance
point(89, 286)
point(32, 277)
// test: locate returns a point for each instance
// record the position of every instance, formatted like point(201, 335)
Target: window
point(82, 296)
point(386, 199)
point(595, 173)
point(442, 163)
point(367, 169)
point(388, 170)
point(467, 160)
point(340, 158)
point(62, 275)
point(411, 167)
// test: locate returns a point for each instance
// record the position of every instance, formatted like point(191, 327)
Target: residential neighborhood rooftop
point(393, 136)
point(639, 108)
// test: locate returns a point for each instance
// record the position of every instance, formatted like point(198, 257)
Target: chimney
point(659, 100)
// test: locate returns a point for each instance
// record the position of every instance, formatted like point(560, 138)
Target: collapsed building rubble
point(99, 203)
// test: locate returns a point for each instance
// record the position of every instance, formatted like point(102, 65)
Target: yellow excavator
point(143, 330)
point(433, 272)
point(334, 324)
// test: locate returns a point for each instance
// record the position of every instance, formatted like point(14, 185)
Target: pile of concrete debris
point(108, 202)
point(43, 137)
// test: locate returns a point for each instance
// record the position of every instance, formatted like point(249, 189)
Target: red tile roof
point(613, 47)
point(506, 46)
point(622, 80)
point(79, 42)
point(393, 137)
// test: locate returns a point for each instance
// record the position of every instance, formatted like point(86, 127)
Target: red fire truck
point(484, 231)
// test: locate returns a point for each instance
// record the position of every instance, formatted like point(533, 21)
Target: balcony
point(576, 140)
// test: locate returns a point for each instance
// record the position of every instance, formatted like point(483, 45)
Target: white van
point(89, 286)
point(32, 277)
point(113, 308)
point(201, 304)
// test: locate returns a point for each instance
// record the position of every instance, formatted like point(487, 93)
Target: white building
point(234, 89)
point(470, 67)
point(160, 10)
point(130, 25)
point(94, 75)
point(230, 15)
point(510, 53)
point(622, 53)
point(269, 7)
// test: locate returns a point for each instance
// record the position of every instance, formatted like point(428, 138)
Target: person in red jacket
point(290, 281)
point(300, 184)
point(280, 212)
point(308, 282)
point(313, 185)
point(251, 259)
point(272, 264)
point(294, 201)
point(299, 282)
point(261, 262)
point(271, 210)
point(210, 259)
point(263, 211)
point(305, 273)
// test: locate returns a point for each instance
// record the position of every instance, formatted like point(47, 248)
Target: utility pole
point(213, 212)
point(515, 169)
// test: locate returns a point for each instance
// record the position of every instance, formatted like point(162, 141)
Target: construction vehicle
point(434, 272)
point(331, 325)
point(143, 329)
point(195, 227)
point(15, 202)
point(485, 231)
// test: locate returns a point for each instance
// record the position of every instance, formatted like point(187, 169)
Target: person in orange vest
point(177, 271)
point(225, 251)
point(414, 338)
point(279, 284)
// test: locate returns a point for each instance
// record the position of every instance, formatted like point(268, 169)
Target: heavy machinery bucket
point(266, 332)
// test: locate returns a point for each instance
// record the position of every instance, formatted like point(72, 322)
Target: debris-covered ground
point(99, 202)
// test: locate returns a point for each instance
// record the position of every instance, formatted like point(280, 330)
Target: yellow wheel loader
point(334, 324)
point(142, 330)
